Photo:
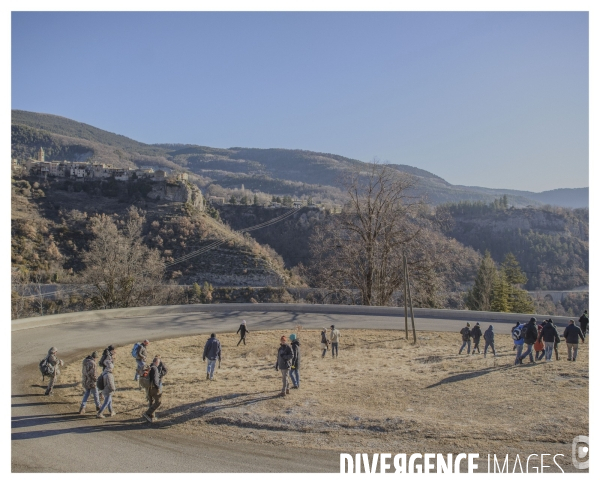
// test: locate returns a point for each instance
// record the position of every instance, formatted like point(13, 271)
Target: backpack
point(135, 350)
point(516, 333)
point(100, 382)
point(532, 332)
point(46, 369)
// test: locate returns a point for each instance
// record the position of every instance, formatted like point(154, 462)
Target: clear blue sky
point(495, 99)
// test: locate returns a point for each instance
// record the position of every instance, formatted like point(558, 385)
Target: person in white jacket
point(334, 337)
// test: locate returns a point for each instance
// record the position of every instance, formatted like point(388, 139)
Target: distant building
point(160, 175)
point(41, 156)
point(217, 200)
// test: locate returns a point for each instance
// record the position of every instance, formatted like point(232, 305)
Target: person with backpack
point(140, 354)
point(572, 335)
point(242, 330)
point(518, 333)
point(107, 355)
point(466, 339)
point(295, 368)
point(548, 335)
point(476, 334)
point(335, 340)
point(511, 332)
point(324, 343)
point(106, 383)
point(88, 381)
point(50, 366)
point(212, 351)
point(583, 322)
point(556, 340)
point(538, 346)
point(154, 392)
point(488, 337)
point(285, 354)
point(530, 337)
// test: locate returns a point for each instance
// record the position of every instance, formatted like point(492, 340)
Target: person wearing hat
point(212, 351)
point(55, 363)
point(109, 389)
point(242, 330)
point(466, 338)
point(285, 354)
point(334, 336)
point(476, 334)
point(140, 359)
point(294, 370)
point(107, 355)
point(324, 342)
point(88, 381)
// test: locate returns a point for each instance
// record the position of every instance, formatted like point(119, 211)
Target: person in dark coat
point(476, 334)
point(548, 335)
point(295, 369)
point(242, 330)
point(466, 338)
point(488, 337)
point(529, 339)
point(154, 393)
point(285, 354)
point(324, 343)
point(212, 351)
point(583, 322)
point(572, 335)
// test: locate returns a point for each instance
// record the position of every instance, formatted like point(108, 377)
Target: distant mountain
point(298, 173)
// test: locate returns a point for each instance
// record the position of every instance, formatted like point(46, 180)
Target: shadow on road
point(42, 420)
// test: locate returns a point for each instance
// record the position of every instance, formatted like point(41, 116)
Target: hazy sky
point(495, 99)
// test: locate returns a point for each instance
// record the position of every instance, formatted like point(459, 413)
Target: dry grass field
point(381, 395)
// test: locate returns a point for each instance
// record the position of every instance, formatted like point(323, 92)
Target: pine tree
point(500, 294)
point(255, 200)
point(512, 269)
point(232, 200)
point(479, 297)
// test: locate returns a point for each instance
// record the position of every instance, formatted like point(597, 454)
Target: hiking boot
point(287, 391)
point(82, 410)
point(208, 376)
point(282, 394)
point(113, 413)
point(147, 417)
point(568, 359)
point(574, 359)
point(100, 415)
point(295, 387)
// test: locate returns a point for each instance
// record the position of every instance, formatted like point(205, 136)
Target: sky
point(492, 99)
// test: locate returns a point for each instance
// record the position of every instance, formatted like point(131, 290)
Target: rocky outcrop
point(180, 191)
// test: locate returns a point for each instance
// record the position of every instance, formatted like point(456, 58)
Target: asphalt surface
point(49, 436)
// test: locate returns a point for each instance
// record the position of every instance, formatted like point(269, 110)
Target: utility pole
point(405, 297)
point(407, 288)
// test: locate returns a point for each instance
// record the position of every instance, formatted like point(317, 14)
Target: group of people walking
point(150, 373)
point(543, 338)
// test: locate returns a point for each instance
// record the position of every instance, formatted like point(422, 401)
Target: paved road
point(49, 437)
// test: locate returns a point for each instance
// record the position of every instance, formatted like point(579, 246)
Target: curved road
point(49, 437)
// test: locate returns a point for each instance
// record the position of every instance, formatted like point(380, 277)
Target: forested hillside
point(551, 244)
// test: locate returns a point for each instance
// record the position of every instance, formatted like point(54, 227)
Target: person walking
point(140, 354)
point(154, 392)
point(539, 345)
point(52, 364)
point(295, 368)
point(285, 354)
point(556, 340)
point(511, 332)
point(108, 389)
point(466, 339)
point(108, 354)
point(488, 337)
point(548, 335)
point(529, 339)
point(572, 336)
point(476, 334)
point(88, 381)
point(242, 330)
point(334, 337)
point(212, 351)
point(583, 322)
point(518, 333)
point(324, 343)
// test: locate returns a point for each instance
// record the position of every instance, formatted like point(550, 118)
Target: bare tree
point(122, 270)
point(18, 293)
point(361, 249)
